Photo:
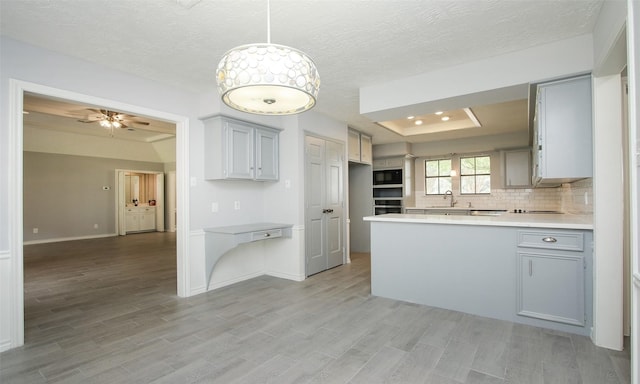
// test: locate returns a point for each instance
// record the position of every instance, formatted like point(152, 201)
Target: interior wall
point(633, 68)
point(610, 57)
point(64, 196)
point(360, 205)
point(34, 69)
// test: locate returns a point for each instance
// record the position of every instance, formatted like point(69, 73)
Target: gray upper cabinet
point(517, 168)
point(239, 150)
point(359, 147)
point(563, 149)
point(266, 154)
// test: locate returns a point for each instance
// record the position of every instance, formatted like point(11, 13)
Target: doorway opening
point(18, 90)
point(140, 205)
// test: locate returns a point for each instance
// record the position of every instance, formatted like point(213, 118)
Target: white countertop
point(564, 220)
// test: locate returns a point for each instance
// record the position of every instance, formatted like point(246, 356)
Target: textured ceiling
point(353, 43)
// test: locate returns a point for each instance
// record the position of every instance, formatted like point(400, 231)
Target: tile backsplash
point(576, 197)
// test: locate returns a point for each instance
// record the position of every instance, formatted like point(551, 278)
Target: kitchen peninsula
point(533, 269)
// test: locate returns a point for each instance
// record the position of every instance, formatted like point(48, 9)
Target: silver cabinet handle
point(327, 210)
point(267, 234)
point(530, 267)
point(549, 239)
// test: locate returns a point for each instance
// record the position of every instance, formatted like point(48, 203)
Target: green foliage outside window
point(437, 176)
point(475, 175)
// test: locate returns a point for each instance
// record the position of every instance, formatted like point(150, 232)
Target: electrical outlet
point(236, 205)
point(35, 230)
point(287, 184)
point(214, 207)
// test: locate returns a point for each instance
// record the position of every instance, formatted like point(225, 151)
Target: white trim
point(15, 200)
point(16, 301)
point(286, 276)
point(636, 279)
point(60, 239)
point(4, 255)
point(5, 345)
point(197, 240)
point(238, 279)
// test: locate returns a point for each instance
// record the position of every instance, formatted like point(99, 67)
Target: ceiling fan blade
point(138, 122)
point(87, 121)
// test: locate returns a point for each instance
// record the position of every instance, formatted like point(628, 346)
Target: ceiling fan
point(112, 120)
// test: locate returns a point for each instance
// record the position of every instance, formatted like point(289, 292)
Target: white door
point(334, 199)
point(324, 196)
point(171, 201)
point(159, 218)
point(120, 203)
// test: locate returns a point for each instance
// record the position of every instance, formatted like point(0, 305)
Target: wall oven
point(387, 199)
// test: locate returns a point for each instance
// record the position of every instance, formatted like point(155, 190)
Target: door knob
point(327, 210)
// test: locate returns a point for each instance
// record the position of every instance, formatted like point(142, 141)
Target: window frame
point(439, 177)
point(475, 174)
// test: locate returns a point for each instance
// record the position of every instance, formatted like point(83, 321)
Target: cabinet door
point(240, 162)
point(353, 148)
point(148, 219)
point(564, 125)
point(551, 287)
point(366, 150)
point(266, 154)
point(516, 165)
point(131, 221)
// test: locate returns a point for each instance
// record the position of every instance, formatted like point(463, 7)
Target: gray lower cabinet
point(527, 275)
point(551, 276)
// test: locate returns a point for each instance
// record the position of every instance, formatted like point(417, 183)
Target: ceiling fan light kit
point(111, 120)
point(268, 79)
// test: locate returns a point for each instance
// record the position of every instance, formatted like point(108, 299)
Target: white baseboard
point(287, 276)
point(197, 290)
point(59, 239)
point(5, 345)
point(220, 284)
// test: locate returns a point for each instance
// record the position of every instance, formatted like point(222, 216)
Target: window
point(437, 175)
point(475, 175)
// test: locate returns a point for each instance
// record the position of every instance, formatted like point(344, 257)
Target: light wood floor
point(105, 311)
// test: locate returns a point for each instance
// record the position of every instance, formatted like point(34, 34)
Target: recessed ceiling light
point(418, 122)
point(410, 117)
point(439, 113)
point(445, 118)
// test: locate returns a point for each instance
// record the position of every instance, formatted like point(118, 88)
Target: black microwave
point(387, 176)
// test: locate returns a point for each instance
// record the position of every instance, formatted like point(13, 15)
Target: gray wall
point(64, 198)
point(360, 205)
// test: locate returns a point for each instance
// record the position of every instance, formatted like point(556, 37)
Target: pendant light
point(268, 79)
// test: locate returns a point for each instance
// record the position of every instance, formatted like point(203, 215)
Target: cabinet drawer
point(567, 241)
point(261, 235)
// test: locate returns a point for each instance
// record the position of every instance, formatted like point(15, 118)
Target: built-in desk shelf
point(220, 240)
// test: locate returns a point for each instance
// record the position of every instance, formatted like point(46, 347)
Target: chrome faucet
point(453, 202)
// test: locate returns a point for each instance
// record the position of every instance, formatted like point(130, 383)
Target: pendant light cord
point(268, 22)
